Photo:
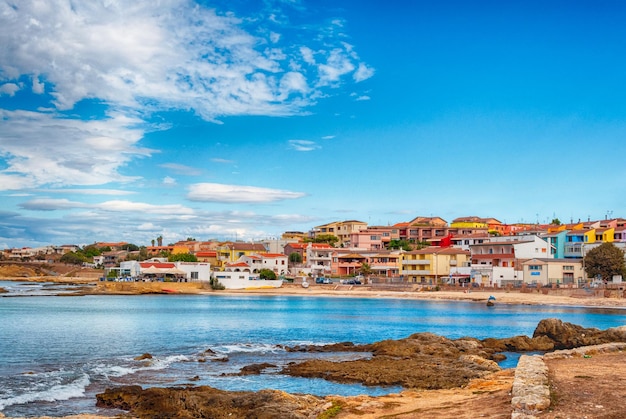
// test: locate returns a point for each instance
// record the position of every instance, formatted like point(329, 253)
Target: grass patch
point(332, 411)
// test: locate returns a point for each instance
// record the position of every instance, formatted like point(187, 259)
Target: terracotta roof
point(352, 256)
point(273, 255)
point(206, 254)
point(160, 265)
point(242, 264)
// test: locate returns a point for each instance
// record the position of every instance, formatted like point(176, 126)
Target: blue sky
point(244, 119)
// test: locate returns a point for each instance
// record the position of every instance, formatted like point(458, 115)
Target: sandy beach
point(561, 297)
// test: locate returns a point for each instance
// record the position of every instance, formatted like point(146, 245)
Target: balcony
point(414, 272)
point(416, 262)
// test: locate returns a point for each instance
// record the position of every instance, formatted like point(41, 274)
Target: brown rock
point(207, 402)
point(144, 356)
point(567, 335)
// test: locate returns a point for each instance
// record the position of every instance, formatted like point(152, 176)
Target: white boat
point(244, 280)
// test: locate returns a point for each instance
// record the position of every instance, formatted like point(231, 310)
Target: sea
point(57, 351)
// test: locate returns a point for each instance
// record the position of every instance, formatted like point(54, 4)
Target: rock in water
point(208, 402)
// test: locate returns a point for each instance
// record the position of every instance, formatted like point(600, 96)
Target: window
point(534, 267)
point(194, 275)
point(568, 267)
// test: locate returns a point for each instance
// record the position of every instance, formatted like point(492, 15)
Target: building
point(558, 272)
point(340, 229)
point(434, 265)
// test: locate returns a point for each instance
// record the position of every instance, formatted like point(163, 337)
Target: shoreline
point(571, 297)
point(490, 394)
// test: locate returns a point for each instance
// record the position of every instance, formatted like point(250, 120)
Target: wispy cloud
point(363, 72)
point(216, 192)
point(328, 137)
point(303, 145)
point(48, 149)
point(222, 161)
point(181, 169)
point(139, 59)
point(47, 204)
point(115, 192)
point(169, 181)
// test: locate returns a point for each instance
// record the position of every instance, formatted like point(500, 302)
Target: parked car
point(352, 282)
point(323, 280)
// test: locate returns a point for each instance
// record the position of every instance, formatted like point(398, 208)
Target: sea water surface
point(57, 352)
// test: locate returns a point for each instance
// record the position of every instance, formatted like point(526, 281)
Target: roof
point(238, 264)
point(352, 256)
point(273, 255)
point(206, 254)
point(313, 245)
point(160, 265)
point(439, 251)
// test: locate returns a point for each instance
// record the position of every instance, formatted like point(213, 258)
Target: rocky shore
point(420, 362)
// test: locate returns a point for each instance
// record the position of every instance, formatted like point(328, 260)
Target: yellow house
point(433, 264)
point(232, 251)
point(180, 250)
point(605, 235)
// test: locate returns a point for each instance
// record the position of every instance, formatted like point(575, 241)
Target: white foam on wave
point(113, 370)
point(56, 392)
point(163, 363)
point(248, 348)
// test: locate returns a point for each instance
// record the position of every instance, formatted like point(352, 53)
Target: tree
point(130, 247)
point(73, 258)
point(182, 257)
point(152, 241)
point(325, 238)
point(160, 241)
point(267, 274)
point(399, 244)
point(295, 258)
point(605, 261)
point(366, 270)
point(556, 222)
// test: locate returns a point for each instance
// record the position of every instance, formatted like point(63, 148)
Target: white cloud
point(115, 192)
point(9, 89)
point(169, 181)
point(46, 149)
point(328, 137)
point(181, 169)
point(216, 192)
point(362, 98)
point(338, 63)
point(118, 206)
point(135, 59)
point(221, 161)
point(303, 145)
point(363, 72)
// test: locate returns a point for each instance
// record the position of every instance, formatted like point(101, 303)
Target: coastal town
point(428, 252)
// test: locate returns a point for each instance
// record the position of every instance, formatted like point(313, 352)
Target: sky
point(240, 120)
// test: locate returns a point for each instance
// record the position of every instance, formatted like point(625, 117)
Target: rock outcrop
point(208, 402)
point(421, 361)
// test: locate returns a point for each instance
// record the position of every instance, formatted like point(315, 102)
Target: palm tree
point(366, 270)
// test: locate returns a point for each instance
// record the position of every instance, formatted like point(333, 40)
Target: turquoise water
point(56, 353)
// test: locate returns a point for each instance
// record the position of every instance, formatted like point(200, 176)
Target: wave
point(75, 388)
point(262, 348)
